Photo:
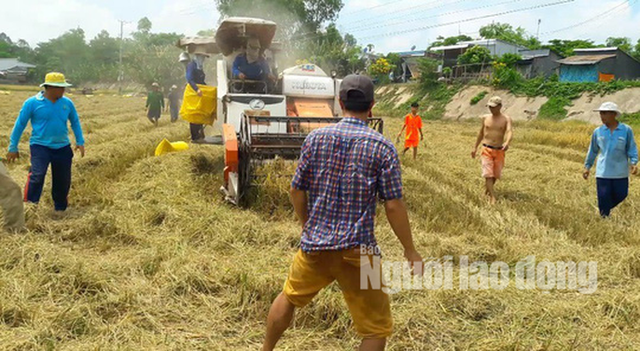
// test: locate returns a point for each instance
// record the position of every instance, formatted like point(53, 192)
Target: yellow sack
point(166, 147)
point(199, 110)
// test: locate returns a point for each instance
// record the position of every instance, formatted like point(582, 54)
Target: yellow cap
point(55, 79)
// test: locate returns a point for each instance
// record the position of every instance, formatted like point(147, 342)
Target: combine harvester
point(261, 120)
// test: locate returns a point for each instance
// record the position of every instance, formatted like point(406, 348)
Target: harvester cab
point(263, 120)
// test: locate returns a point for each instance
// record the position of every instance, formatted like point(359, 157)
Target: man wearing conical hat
point(50, 114)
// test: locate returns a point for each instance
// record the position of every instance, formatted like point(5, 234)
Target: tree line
point(306, 26)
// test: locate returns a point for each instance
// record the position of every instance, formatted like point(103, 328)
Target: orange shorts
point(492, 163)
point(313, 271)
point(409, 143)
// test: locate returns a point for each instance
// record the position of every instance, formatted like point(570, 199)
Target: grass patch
point(476, 99)
point(554, 109)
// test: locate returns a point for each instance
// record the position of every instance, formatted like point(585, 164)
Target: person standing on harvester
point(195, 76)
point(615, 147)
point(50, 113)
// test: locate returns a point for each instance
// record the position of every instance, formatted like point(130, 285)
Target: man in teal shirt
point(49, 113)
point(618, 156)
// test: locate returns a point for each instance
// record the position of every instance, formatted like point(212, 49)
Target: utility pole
point(538, 33)
point(120, 67)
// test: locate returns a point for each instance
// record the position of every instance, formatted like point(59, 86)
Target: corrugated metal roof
point(601, 50)
point(450, 47)
point(414, 53)
point(9, 63)
point(584, 59)
point(491, 42)
point(531, 54)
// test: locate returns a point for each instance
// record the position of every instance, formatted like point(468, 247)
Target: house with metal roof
point(541, 62)
point(599, 65)
point(495, 46)
point(12, 70)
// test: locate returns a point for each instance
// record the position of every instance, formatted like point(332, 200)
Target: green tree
point(207, 33)
point(566, 47)
point(350, 40)
point(69, 54)
point(331, 51)
point(144, 35)
point(509, 59)
point(292, 16)
point(144, 25)
point(623, 44)
point(151, 63)
point(442, 41)
point(428, 72)
point(11, 49)
point(475, 55)
point(396, 61)
point(505, 32)
point(104, 53)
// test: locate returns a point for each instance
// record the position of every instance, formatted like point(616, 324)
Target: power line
point(599, 16)
point(470, 19)
point(373, 7)
point(360, 29)
point(313, 35)
point(386, 15)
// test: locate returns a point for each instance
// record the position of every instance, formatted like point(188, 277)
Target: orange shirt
point(412, 124)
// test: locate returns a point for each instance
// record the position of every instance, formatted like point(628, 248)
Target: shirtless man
point(496, 128)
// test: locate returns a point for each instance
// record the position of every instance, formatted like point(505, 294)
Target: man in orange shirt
point(413, 125)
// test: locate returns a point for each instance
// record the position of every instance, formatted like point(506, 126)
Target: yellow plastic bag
point(166, 147)
point(199, 110)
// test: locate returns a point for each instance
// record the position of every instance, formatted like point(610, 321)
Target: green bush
point(554, 109)
point(509, 59)
point(479, 97)
point(631, 118)
point(505, 77)
point(475, 55)
point(428, 73)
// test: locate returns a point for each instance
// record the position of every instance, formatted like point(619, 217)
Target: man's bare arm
point(299, 201)
point(509, 134)
point(399, 220)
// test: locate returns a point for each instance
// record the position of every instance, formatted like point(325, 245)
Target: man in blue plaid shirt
point(344, 169)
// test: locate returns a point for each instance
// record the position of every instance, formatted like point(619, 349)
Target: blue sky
point(372, 21)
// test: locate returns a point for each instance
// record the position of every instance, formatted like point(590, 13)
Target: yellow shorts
point(311, 272)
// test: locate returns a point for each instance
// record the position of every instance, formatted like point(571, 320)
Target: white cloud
point(185, 17)
point(48, 19)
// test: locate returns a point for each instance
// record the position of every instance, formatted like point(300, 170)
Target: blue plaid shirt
point(344, 168)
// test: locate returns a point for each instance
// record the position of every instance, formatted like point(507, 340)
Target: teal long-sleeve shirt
point(615, 151)
point(49, 122)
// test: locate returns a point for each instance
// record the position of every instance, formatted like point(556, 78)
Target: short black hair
point(356, 102)
point(415, 104)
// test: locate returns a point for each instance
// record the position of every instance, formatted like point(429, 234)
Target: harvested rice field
point(150, 257)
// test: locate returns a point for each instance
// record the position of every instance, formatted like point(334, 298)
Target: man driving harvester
point(252, 65)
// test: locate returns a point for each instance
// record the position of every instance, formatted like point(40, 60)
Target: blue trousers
point(611, 193)
point(60, 160)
